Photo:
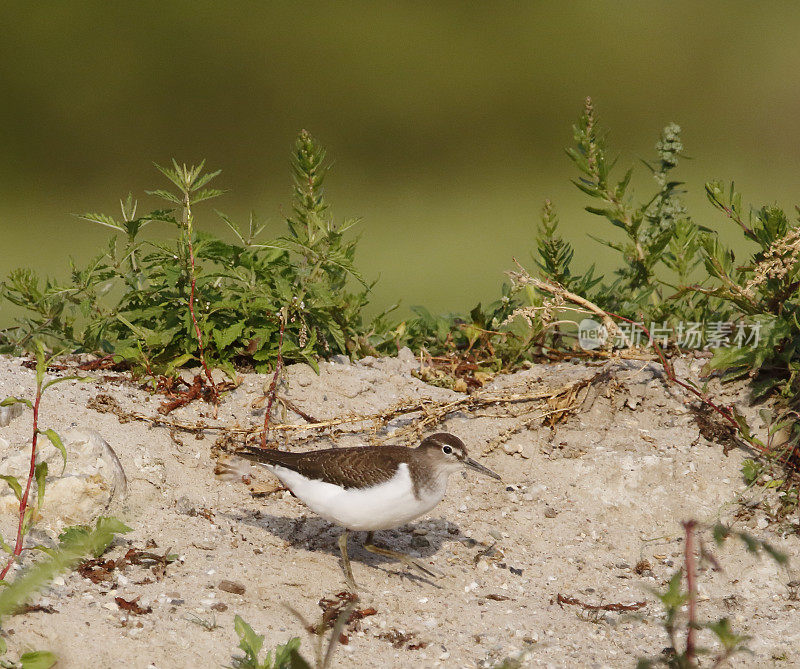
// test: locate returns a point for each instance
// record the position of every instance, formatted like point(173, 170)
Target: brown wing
point(359, 467)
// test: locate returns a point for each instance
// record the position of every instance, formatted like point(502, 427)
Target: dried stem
point(567, 296)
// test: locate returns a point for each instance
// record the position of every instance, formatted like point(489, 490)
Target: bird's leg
point(372, 548)
point(348, 571)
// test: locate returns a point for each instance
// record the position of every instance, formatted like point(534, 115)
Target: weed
point(37, 471)
point(675, 600)
point(284, 657)
point(74, 542)
point(160, 305)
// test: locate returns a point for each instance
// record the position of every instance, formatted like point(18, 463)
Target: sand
point(580, 506)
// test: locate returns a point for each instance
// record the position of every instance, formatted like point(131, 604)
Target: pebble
point(232, 587)
point(550, 512)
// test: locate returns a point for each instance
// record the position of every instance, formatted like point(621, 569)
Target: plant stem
point(725, 412)
point(273, 386)
point(192, 276)
point(691, 587)
point(23, 502)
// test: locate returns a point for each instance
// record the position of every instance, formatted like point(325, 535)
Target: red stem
point(725, 412)
point(274, 384)
point(214, 391)
point(691, 587)
point(23, 502)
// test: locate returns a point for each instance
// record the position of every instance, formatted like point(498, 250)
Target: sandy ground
point(579, 507)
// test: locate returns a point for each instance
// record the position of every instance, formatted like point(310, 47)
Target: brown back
point(356, 467)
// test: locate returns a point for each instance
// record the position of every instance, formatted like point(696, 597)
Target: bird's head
point(448, 452)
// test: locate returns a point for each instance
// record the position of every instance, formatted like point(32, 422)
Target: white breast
point(386, 505)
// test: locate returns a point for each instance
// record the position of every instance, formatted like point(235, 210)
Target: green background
point(447, 120)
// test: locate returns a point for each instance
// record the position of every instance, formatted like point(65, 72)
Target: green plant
point(74, 542)
point(285, 656)
point(158, 305)
point(34, 659)
point(675, 600)
point(648, 225)
point(37, 471)
point(764, 290)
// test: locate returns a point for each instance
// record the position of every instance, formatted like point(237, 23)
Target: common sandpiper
point(368, 488)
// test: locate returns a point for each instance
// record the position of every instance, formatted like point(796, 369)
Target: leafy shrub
point(133, 300)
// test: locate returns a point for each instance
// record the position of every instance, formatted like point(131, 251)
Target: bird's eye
point(447, 450)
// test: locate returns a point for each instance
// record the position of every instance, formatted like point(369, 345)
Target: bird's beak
point(469, 462)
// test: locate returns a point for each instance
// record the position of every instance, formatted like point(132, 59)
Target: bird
point(369, 488)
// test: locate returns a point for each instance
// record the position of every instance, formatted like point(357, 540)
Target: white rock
point(9, 413)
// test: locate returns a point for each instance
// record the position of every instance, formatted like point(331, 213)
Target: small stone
point(550, 512)
point(184, 506)
point(420, 542)
point(219, 606)
point(231, 586)
point(420, 531)
point(406, 355)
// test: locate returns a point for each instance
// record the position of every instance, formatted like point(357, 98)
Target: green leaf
point(15, 486)
point(102, 219)
point(38, 659)
point(722, 630)
point(8, 401)
point(52, 435)
point(97, 539)
point(166, 195)
point(80, 379)
point(206, 194)
point(75, 544)
point(40, 473)
point(224, 338)
point(249, 641)
point(27, 519)
point(41, 362)
point(751, 470)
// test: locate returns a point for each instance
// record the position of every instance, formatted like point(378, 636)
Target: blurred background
point(446, 121)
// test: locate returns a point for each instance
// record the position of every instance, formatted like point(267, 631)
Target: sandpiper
point(371, 487)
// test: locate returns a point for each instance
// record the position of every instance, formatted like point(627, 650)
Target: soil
point(589, 512)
